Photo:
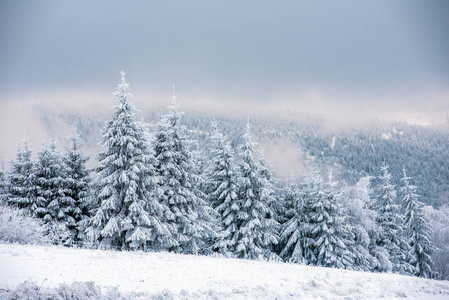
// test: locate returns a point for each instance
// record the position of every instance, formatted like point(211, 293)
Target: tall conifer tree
point(221, 174)
point(54, 206)
point(189, 219)
point(50, 177)
point(293, 239)
point(77, 185)
point(21, 191)
point(328, 236)
point(222, 188)
point(390, 235)
point(4, 182)
point(125, 182)
point(257, 231)
point(417, 229)
point(360, 214)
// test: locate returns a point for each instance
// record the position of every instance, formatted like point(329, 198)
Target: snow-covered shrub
point(29, 290)
point(87, 290)
point(60, 234)
point(382, 259)
point(16, 226)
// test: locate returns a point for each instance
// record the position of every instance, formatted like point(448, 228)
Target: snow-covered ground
point(173, 276)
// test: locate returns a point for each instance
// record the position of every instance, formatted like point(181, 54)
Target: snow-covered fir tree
point(53, 205)
point(270, 191)
point(50, 181)
point(417, 230)
point(390, 234)
point(77, 185)
point(222, 189)
point(359, 212)
point(4, 183)
point(126, 212)
point(190, 221)
point(329, 236)
point(256, 232)
point(21, 190)
point(293, 238)
point(221, 175)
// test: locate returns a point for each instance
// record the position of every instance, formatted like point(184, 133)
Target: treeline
point(156, 191)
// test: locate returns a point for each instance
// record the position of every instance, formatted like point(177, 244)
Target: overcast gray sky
point(351, 53)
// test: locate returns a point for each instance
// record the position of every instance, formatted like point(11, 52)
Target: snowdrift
point(143, 275)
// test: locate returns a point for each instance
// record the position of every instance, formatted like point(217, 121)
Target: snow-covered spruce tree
point(49, 175)
point(417, 230)
point(359, 212)
point(77, 186)
point(256, 228)
point(189, 219)
point(4, 183)
point(53, 205)
point(270, 190)
point(126, 212)
point(293, 238)
point(222, 189)
point(329, 236)
point(21, 191)
point(390, 234)
point(221, 175)
point(272, 194)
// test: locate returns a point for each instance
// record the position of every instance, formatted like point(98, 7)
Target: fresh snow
point(146, 275)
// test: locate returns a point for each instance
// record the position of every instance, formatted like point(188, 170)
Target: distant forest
point(352, 153)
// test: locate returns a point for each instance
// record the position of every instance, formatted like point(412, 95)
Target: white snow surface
point(148, 275)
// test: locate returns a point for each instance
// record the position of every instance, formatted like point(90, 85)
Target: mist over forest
point(352, 149)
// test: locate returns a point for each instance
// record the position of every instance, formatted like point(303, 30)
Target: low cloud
point(21, 117)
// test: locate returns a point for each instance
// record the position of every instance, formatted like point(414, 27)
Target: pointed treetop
point(122, 73)
point(248, 126)
point(25, 144)
point(174, 105)
point(405, 178)
point(122, 88)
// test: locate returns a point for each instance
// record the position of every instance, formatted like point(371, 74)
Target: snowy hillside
point(140, 275)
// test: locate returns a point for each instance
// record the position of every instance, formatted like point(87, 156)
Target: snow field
point(166, 275)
